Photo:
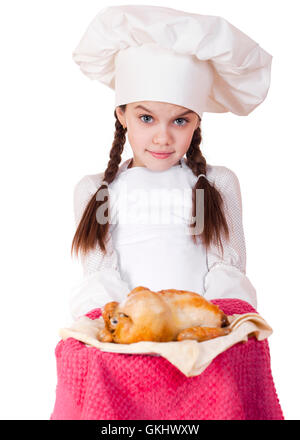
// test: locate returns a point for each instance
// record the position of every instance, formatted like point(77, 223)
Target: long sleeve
point(226, 276)
point(101, 281)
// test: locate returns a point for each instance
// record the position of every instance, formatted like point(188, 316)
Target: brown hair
point(90, 231)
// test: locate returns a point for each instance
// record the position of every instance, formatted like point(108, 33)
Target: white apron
point(151, 211)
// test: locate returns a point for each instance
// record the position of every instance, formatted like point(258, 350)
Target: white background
point(57, 126)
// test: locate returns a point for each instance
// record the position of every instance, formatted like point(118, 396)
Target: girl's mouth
point(160, 155)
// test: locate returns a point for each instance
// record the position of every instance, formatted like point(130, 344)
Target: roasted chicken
point(167, 315)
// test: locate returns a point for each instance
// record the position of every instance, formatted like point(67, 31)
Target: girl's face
point(158, 127)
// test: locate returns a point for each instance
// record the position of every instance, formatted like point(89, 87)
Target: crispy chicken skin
point(167, 315)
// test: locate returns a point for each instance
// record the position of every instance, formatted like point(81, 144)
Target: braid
point(89, 231)
point(195, 159)
point(115, 152)
point(214, 218)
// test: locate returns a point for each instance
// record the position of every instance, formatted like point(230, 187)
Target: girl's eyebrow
point(149, 111)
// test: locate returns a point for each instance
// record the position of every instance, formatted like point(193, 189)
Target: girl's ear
point(121, 117)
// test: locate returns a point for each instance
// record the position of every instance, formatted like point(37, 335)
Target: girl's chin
point(154, 162)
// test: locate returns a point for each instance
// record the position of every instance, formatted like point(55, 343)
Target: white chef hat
point(153, 53)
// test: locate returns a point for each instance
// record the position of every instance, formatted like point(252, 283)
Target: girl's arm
point(101, 281)
point(226, 276)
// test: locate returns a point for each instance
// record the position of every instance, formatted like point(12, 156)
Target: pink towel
point(95, 385)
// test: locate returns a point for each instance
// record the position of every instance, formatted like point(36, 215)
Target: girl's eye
point(145, 116)
point(178, 119)
point(182, 119)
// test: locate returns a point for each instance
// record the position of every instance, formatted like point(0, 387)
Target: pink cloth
point(95, 385)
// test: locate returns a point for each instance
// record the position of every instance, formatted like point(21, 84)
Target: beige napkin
point(189, 356)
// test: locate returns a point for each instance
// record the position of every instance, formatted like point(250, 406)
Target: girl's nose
point(162, 137)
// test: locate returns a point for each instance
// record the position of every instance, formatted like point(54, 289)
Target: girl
point(167, 67)
point(142, 222)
